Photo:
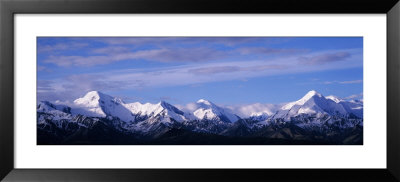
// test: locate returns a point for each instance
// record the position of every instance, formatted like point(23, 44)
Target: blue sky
point(179, 70)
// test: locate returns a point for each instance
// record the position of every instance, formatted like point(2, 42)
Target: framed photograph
point(73, 108)
point(128, 90)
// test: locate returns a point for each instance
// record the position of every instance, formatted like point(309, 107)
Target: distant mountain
point(45, 106)
point(209, 111)
point(334, 98)
point(352, 106)
point(162, 110)
point(97, 104)
point(97, 118)
point(313, 103)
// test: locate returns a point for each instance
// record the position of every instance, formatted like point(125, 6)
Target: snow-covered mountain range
point(97, 104)
point(137, 120)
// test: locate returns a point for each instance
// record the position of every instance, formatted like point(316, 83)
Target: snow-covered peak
point(205, 102)
point(210, 111)
point(312, 103)
point(90, 99)
point(57, 110)
point(98, 104)
point(93, 98)
point(162, 109)
point(311, 94)
point(93, 95)
point(164, 104)
point(334, 98)
point(45, 106)
point(170, 107)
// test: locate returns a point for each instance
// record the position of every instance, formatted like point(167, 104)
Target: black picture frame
point(8, 8)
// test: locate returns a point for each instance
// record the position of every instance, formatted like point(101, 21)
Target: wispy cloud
point(343, 82)
point(111, 50)
point(135, 40)
point(351, 82)
point(216, 69)
point(228, 69)
point(188, 74)
point(177, 50)
point(44, 86)
point(157, 63)
point(61, 46)
point(355, 96)
point(73, 86)
point(43, 68)
point(227, 41)
point(161, 55)
point(324, 58)
point(66, 61)
point(160, 49)
point(267, 51)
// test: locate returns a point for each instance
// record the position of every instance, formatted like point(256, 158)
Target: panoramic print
point(199, 91)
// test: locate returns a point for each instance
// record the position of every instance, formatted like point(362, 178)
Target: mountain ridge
point(311, 114)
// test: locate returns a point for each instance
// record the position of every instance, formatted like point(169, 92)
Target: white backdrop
point(370, 155)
